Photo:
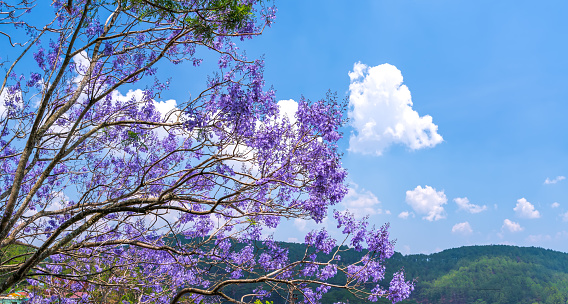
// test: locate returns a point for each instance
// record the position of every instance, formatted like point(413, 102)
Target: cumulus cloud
point(549, 181)
point(3, 98)
point(564, 216)
point(381, 112)
point(166, 107)
point(361, 202)
point(16, 99)
point(555, 205)
point(463, 203)
point(404, 215)
point(525, 209)
point(427, 201)
point(511, 226)
point(82, 63)
point(288, 108)
point(462, 228)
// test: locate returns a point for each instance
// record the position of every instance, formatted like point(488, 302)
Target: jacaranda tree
point(106, 198)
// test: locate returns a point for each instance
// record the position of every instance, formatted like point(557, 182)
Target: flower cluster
point(124, 198)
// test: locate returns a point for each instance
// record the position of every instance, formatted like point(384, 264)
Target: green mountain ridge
point(473, 274)
point(498, 274)
point(487, 274)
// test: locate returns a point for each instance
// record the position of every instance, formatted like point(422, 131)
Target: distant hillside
point(487, 274)
point(476, 274)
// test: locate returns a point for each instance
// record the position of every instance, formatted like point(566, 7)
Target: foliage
point(118, 201)
point(488, 274)
point(474, 274)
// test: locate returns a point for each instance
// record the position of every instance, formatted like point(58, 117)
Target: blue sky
point(493, 78)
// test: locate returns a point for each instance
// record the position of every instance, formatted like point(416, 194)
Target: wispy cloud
point(538, 238)
point(361, 202)
point(542, 238)
point(511, 226)
point(549, 181)
point(463, 204)
point(564, 216)
point(381, 112)
point(462, 228)
point(404, 215)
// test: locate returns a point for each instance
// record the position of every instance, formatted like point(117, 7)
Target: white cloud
point(511, 226)
point(381, 112)
point(293, 240)
point(166, 107)
point(16, 99)
point(525, 209)
point(404, 215)
point(427, 201)
point(463, 203)
point(555, 205)
point(82, 63)
point(288, 108)
point(462, 228)
point(564, 216)
point(3, 98)
point(361, 203)
point(555, 180)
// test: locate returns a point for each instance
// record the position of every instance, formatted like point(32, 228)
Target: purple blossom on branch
point(114, 194)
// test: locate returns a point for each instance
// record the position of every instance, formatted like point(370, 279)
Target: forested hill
point(474, 274)
point(487, 274)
